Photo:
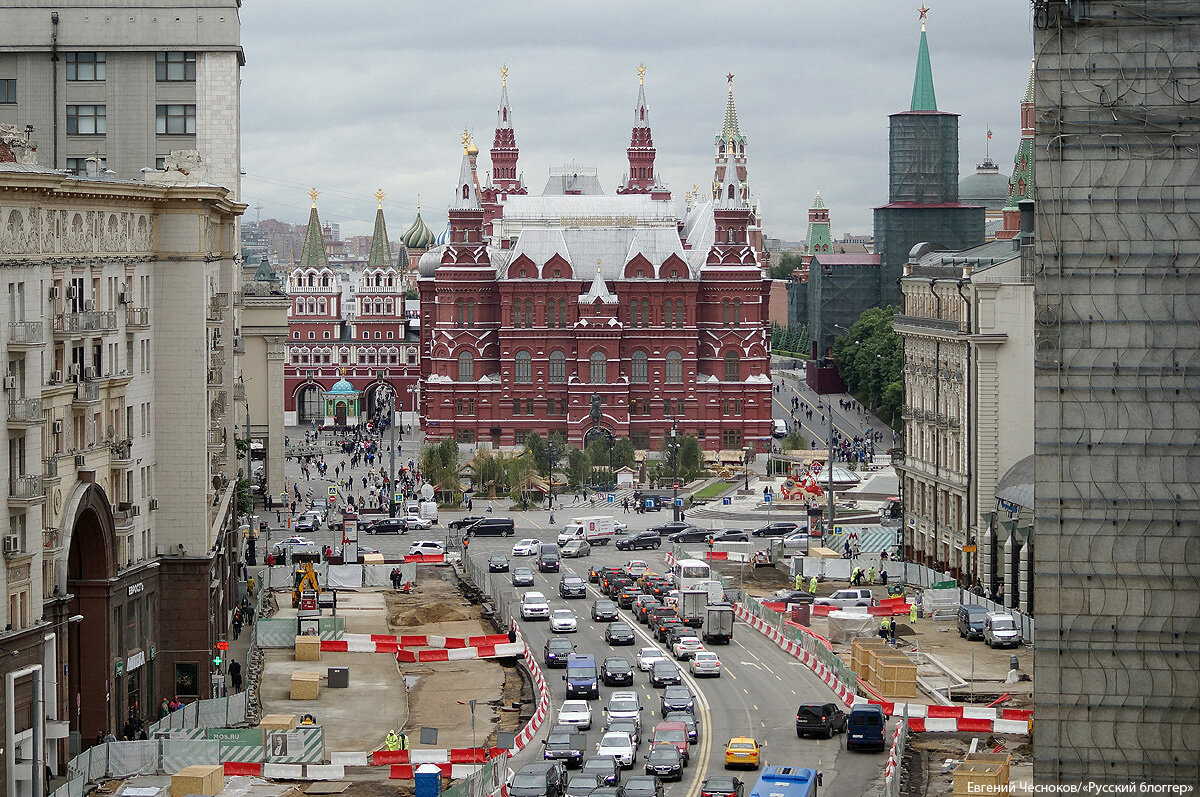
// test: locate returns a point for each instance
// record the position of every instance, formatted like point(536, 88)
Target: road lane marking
point(751, 652)
point(768, 669)
point(731, 675)
point(750, 664)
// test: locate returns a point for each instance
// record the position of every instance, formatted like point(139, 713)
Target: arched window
point(466, 367)
point(599, 368)
point(640, 371)
point(725, 312)
point(523, 367)
point(458, 313)
point(466, 191)
point(733, 367)
point(668, 313)
point(737, 311)
point(674, 367)
point(558, 366)
point(529, 312)
point(562, 312)
point(680, 316)
point(321, 306)
point(731, 190)
point(550, 312)
point(646, 322)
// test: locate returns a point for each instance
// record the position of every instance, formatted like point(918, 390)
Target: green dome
point(342, 386)
point(418, 236)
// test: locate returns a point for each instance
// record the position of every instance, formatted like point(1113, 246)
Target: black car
point(792, 596)
point(608, 791)
point(522, 577)
point(688, 719)
point(616, 671)
point(465, 522)
point(492, 527)
point(722, 786)
point(630, 727)
point(542, 779)
point(619, 633)
point(388, 525)
point(594, 573)
point(582, 784)
point(665, 762)
point(676, 698)
point(604, 611)
point(690, 534)
point(664, 630)
point(626, 594)
point(679, 631)
point(556, 651)
point(639, 540)
point(605, 766)
point(643, 786)
point(642, 605)
point(778, 529)
point(563, 744)
point(498, 564)
point(548, 562)
point(664, 673)
point(729, 535)
point(572, 587)
point(820, 719)
point(670, 527)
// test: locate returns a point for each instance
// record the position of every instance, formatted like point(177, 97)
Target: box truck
point(596, 530)
point(718, 624)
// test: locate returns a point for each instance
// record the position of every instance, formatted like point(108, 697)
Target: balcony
point(50, 467)
point(26, 334)
point(914, 323)
point(137, 318)
point(216, 439)
point(898, 458)
point(24, 413)
point(953, 423)
point(86, 394)
point(216, 307)
point(238, 299)
point(26, 490)
point(239, 345)
point(122, 454)
point(51, 540)
point(216, 376)
point(239, 392)
point(88, 322)
point(123, 517)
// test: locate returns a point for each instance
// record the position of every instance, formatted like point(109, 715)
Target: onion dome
point(342, 386)
point(418, 236)
point(443, 237)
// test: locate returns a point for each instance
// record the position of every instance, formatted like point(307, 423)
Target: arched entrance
point(380, 402)
point(91, 563)
point(309, 406)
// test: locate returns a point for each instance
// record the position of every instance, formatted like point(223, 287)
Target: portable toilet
point(428, 778)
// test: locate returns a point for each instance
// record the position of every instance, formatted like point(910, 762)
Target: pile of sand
point(421, 615)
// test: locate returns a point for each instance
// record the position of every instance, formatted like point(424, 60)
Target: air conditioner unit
point(160, 550)
point(89, 305)
point(71, 292)
point(73, 371)
point(123, 296)
point(10, 383)
point(12, 543)
point(53, 292)
point(58, 425)
point(89, 372)
point(80, 460)
point(153, 504)
point(56, 378)
point(135, 510)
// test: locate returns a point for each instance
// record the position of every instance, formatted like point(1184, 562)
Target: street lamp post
point(391, 405)
point(675, 467)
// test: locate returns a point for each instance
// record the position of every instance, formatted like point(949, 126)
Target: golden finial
point(466, 139)
point(342, 371)
point(504, 74)
point(923, 11)
point(695, 190)
point(641, 74)
point(313, 194)
point(379, 195)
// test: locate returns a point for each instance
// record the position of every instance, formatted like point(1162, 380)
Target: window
point(466, 367)
point(669, 313)
point(680, 317)
point(725, 312)
point(8, 90)
point(85, 66)
point(550, 308)
point(174, 66)
point(78, 166)
point(558, 366)
point(466, 406)
point(737, 311)
point(646, 407)
point(516, 407)
point(731, 407)
point(466, 435)
point(86, 120)
point(731, 438)
point(529, 312)
point(599, 368)
point(733, 367)
point(674, 367)
point(550, 406)
point(646, 319)
point(459, 318)
point(640, 371)
point(523, 367)
point(520, 436)
point(175, 120)
point(640, 440)
point(529, 406)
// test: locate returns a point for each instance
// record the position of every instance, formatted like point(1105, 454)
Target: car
point(1000, 630)
point(636, 568)
point(619, 633)
point(722, 786)
point(820, 719)
point(741, 751)
point(616, 671)
point(308, 524)
point(663, 630)
point(778, 529)
point(613, 584)
point(690, 534)
point(498, 564)
point(626, 592)
point(619, 745)
point(465, 522)
point(638, 540)
point(789, 595)
point(492, 527)
point(541, 779)
point(575, 549)
point(608, 791)
point(556, 651)
point(705, 662)
point(582, 784)
point(629, 727)
point(664, 673)
point(674, 734)
point(620, 526)
point(676, 698)
point(294, 542)
point(575, 712)
point(522, 577)
point(970, 620)
point(418, 522)
point(623, 705)
point(565, 744)
point(562, 621)
point(689, 722)
point(865, 727)
point(604, 611)
point(643, 786)
point(648, 657)
point(526, 547)
point(642, 605)
point(845, 598)
point(594, 573)
point(548, 561)
point(670, 527)
point(685, 647)
point(606, 767)
point(427, 548)
point(665, 762)
point(388, 525)
point(534, 606)
point(572, 587)
point(728, 535)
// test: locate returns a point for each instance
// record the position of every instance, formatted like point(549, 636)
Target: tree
point(578, 466)
point(786, 265)
point(439, 466)
point(691, 458)
point(539, 451)
point(794, 442)
point(870, 361)
point(623, 453)
point(489, 471)
point(245, 496)
point(520, 470)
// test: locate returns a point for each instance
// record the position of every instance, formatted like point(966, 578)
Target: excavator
point(306, 581)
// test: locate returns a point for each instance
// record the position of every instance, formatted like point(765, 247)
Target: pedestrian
point(250, 585)
point(391, 741)
point(489, 509)
point(884, 632)
point(235, 675)
point(812, 585)
point(871, 575)
point(892, 632)
point(799, 581)
point(164, 708)
point(237, 622)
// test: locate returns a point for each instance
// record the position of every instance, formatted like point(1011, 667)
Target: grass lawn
point(711, 491)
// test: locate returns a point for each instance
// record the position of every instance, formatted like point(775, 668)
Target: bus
point(787, 782)
point(688, 572)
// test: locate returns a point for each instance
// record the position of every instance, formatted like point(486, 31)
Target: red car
point(672, 733)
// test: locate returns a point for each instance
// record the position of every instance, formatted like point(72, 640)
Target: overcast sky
point(354, 96)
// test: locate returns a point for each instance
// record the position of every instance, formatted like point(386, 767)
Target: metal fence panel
point(239, 744)
point(211, 713)
point(297, 746)
point(180, 753)
point(76, 786)
point(191, 714)
point(97, 762)
point(236, 712)
point(132, 758)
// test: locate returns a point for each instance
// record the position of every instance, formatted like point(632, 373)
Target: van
point(1000, 630)
point(970, 619)
point(548, 560)
point(542, 779)
point(779, 428)
point(582, 679)
point(865, 728)
point(491, 527)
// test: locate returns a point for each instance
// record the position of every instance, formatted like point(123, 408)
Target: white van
point(1000, 630)
point(596, 530)
point(779, 428)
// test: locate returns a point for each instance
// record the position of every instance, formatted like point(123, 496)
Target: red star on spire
point(729, 77)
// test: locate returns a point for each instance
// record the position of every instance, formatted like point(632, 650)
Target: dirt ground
point(926, 754)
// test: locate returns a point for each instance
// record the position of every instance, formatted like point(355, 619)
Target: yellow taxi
point(742, 751)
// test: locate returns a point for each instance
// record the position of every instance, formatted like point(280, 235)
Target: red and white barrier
point(543, 705)
point(889, 769)
point(433, 648)
point(843, 690)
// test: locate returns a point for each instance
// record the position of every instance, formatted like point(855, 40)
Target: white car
point(705, 662)
point(618, 745)
point(847, 598)
point(534, 606)
point(647, 657)
point(635, 567)
point(294, 541)
point(619, 527)
point(577, 713)
point(671, 598)
point(526, 547)
point(624, 706)
point(418, 522)
point(686, 647)
point(427, 548)
point(563, 621)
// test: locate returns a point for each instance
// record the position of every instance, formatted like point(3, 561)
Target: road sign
point(332, 491)
point(970, 548)
point(222, 645)
point(398, 498)
point(726, 501)
point(768, 497)
point(678, 502)
point(837, 531)
point(283, 497)
point(649, 503)
point(611, 498)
